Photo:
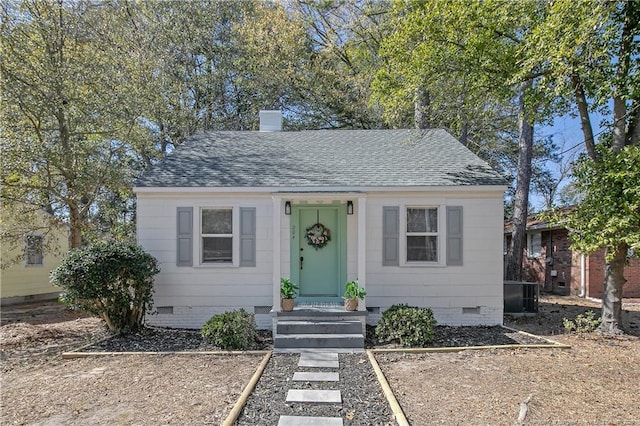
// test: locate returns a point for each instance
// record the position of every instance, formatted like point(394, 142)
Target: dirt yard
point(41, 388)
point(595, 382)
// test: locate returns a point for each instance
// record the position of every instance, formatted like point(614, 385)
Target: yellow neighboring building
point(27, 277)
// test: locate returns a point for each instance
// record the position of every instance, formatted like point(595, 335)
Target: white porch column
point(362, 248)
point(276, 231)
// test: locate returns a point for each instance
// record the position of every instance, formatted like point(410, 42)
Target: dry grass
point(39, 387)
point(595, 382)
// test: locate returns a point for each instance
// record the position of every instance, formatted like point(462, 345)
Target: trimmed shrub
point(112, 280)
point(231, 330)
point(583, 323)
point(407, 325)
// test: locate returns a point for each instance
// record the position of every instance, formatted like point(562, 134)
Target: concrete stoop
point(319, 329)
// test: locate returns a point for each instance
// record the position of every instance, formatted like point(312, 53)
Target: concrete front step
point(319, 327)
point(320, 341)
point(303, 350)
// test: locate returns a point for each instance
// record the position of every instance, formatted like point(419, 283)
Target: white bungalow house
point(414, 215)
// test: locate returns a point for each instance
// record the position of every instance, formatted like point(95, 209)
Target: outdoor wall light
point(287, 208)
point(349, 207)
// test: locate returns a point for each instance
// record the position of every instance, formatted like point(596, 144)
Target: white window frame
point(26, 251)
point(531, 254)
point(441, 240)
point(235, 240)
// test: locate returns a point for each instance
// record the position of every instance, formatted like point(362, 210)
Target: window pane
point(422, 220)
point(34, 250)
point(216, 221)
point(422, 249)
point(416, 221)
point(535, 244)
point(217, 249)
point(432, 222)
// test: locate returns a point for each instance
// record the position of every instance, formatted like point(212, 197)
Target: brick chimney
point(270, 120)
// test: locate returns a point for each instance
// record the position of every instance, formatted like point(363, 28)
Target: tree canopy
point(93, 93)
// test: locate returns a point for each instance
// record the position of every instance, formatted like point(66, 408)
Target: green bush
point(231, 330)
point(110, 279)
point(583, 323)
point(407, 325)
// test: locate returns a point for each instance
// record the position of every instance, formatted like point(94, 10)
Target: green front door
point(319, 271)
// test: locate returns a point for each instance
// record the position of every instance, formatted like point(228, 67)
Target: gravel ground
point(446, 336)
point(177, 340)
point(167, 340)
point(363, 400)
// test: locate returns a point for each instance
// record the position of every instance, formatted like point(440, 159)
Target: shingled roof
point(320, 159)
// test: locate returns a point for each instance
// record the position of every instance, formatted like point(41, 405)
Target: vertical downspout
point(583, 276)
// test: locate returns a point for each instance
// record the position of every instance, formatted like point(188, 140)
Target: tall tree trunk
point(521, 200)
point(464, 133)
point(585, 119)
point(622, 135)
point(612, 298)
point(421, 110)
point(75, 226)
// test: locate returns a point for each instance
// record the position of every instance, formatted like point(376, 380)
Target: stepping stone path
point(314, 360)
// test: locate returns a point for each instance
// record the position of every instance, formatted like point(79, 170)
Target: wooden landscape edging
point(398, 413)
point(388, 393)
point(468, 348)
point(551, 345)
point(240, 403)
point(70, 355)
point(564, 346)
point(85, 346)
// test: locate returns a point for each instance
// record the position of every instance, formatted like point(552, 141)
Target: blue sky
point(567, 135)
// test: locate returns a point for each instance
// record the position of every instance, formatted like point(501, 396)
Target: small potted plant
point(287, 294)
point(351, 295)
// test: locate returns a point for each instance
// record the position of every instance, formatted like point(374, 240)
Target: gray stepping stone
point(319, 359)
point(317, 363)
point(309, 421)
point(320, 356)
point(315, 377)
point(312, 395)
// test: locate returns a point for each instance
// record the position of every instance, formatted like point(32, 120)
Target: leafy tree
point(345, 38)
point(609, 216)
point(591, 58)
point(69, 107)
point(457, 65)
point(110, 279)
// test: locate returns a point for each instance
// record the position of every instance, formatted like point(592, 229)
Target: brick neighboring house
point(550, 261)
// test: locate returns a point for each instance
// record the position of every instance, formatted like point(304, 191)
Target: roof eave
point(311, 189)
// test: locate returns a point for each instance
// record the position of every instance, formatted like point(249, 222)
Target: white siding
point(196, 293)
point(447, 290)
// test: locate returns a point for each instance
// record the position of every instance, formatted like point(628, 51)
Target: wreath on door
point(317, 236)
